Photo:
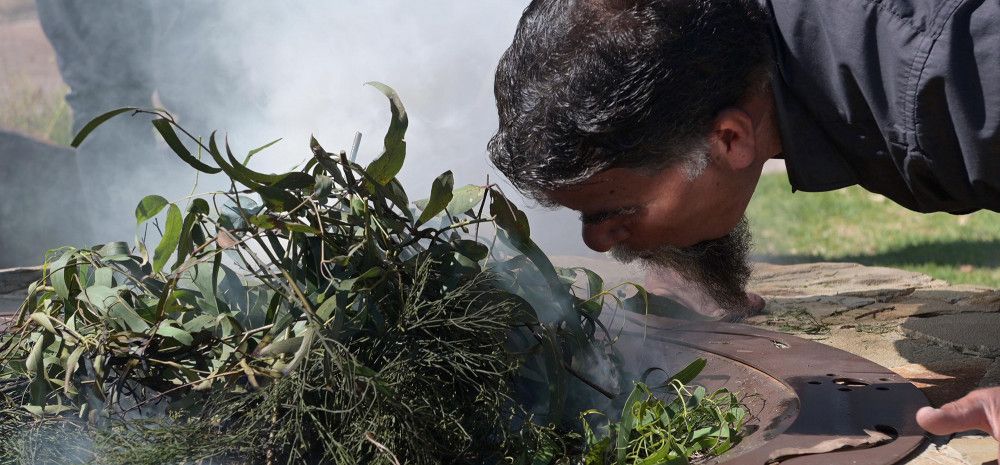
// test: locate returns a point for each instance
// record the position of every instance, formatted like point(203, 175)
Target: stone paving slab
point(942, 338)
point(942, 454)
point(836, 279)
point(16, 279)
point(977, 449)
point(970, 333)
point(992, 376)
point(10, 303)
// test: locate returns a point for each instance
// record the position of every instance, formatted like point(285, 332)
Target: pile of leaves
point(320, 316)
point(693, 425)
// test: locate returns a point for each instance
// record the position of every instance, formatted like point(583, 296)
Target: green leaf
point(358, 206)
point(326, 309)
point(278, 200)
point(233, 214)
point(295, 180)
point(200, 206)
point(387, 165)
point(143, 252)
point(44, 321)
point(326, 161)
point(690, 372)
point(302, 228)
point(187, 243)
point(63, 271)
point(166, 131)
point(627, 422)
point(108, 301)
point(665, 455)
point(104, 277)
point(199, 323)
point(94, 123)
point(35, 360)
point(284, 346)
point(115, 252)
point(441, 195)
point(595, 284)
point(394, 191)
point(552, 356)
point(253, 152)
point(171, 237)
point(507, 216)
point(566, 275)
point(177, 334)
point(351, 283)
point(324, 186)
point(148, 207)
point(101, 297)
point(263, 221)
point(684, 376)
point(40, 386)
point(46, 410)
point(242, 171)
point(472, 250)
point(466, 198)
point(71, 366)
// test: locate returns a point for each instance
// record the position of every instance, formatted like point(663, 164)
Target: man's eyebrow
point(601, 216)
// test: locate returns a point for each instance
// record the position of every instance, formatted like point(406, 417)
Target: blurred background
point(258, 71)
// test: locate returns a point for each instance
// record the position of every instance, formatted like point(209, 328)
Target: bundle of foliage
point(693, 425)
point(312, 316)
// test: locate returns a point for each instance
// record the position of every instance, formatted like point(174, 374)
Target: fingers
point(964, 414)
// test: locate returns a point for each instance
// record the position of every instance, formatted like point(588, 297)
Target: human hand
point(980, 410)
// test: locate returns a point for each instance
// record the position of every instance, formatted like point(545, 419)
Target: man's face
point(640, 211)
point(666, 220)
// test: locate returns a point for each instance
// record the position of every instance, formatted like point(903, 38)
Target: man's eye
point(598, 218)
point(594, 219)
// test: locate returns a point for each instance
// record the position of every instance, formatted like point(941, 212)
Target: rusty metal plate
point(808, 398)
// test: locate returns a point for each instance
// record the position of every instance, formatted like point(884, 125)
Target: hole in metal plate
point(850, 382)
point(887, 430)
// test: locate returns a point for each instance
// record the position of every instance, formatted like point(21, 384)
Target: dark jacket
point(899, 96)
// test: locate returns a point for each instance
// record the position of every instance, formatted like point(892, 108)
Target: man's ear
point(732, 139)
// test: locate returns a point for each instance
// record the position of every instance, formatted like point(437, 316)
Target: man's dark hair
point(589, 85)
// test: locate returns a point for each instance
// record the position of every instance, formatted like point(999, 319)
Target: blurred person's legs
point(36, 211)
point(200, 76)
point(104, 49)
point(200, 72)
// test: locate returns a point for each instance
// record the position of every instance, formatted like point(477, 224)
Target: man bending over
point(653, 119)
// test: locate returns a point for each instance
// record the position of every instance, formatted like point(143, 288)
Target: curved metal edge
point(840, 394)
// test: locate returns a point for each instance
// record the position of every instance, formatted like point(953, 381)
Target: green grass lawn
point(854, 225)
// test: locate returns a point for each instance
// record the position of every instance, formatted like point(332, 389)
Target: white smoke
point(306, 61)
point(259, 70)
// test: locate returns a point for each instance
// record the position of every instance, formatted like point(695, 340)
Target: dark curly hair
point(589, 85)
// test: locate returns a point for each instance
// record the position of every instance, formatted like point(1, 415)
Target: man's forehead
point(610, 189)
point(610, 178)
point(591, 182)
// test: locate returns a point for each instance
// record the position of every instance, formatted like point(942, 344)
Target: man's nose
point(602, 237)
